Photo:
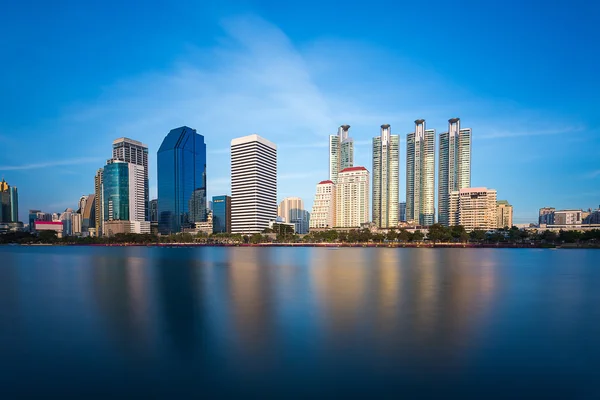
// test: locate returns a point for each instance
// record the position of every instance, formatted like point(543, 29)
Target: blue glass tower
point(116, 191)
point(221, 214)
point(181, 180)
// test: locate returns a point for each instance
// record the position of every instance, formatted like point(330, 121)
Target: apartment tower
point(323, 210)
point(352, 198)
point(341, 152)
point(386, 175)
point(420, 175)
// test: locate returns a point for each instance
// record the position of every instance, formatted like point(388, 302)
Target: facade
point(420, 175)
point(386, 178)
point(504, 214)
point(76, 224)
point(134, 152)
point(568, 217)
point(99, 206)
point(323, 209)
point(352, 198)
point(54, 226)
point(592, 218)
point(123, 192)
point(112, 228)
point(253, 184)
point(88, 214)
point(454, 167)
point(181, 180)
point(154, 210)
point(221, 214)
point(66, 218)
point(474, 209)
point(9, 203)
point(291, 209)
point(33, 214)
point(402, 211)
point(341, 152)
point(546, 216)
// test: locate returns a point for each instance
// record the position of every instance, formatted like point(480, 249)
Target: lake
point(217, 322)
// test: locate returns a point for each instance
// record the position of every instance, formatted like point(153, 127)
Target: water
point(216, 322)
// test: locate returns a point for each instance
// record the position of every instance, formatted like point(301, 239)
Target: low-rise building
point(504, 214)
point(474, 208)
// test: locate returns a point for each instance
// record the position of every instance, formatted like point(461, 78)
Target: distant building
point(9, 203)
point(386, 175)
point(291, 209)
point(454, 166)
point(352, 197)
point(341, 152)
point(568, 217)
point(76, 223)
point(221, 214)
point(33, 216)
point(546, 216)
point(474, 209)
point(253, 184)
point(420, 175)
point(123, 195)
point(134, 152)
point(323, 209)
point(154, 210)
point(99, 200)
point(402, 211)
point(54, 226)
point(66, 218)
point(504, 214)
point(181, 180)
point(592, 218)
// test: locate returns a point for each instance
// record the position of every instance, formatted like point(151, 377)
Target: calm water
point(211, 322)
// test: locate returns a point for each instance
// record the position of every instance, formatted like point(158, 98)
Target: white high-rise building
point(420, 175)
point(474, 208)
point(341, 152)
point(323, 210)
point(134, 152)
point(352, 197)
point(253, 184)
point(386, 170)
point(291, 209)
point(454, 166)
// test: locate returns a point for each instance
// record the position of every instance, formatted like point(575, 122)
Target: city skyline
point(265, 75)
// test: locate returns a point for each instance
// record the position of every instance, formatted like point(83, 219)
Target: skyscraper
point(134, 152)
point(99, 194)
point(221, 214)
point(402, 211)
point(123, 191)
point(454, 166)
point(341, 152)
point(9, 203)
point(420, 175)
point(352, 197)
point(88, 214)
point(181, 180)
point(154, 210)
point(386, 170)
point(323, 209)
point(253, 184)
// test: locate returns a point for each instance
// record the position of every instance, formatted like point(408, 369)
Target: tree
point(403, 235)
point(48, 237)
point(477, 235)
point(438, 233)
point(458, 233)
point(548, 236)
point(569, 236)
point(417, 236)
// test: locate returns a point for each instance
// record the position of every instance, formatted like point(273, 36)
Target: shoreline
point(329, 245)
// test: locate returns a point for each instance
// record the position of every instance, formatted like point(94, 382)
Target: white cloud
point(50, 164)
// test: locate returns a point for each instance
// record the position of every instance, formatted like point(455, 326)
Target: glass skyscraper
point(123, 192)
point(181, 180)
point(341, 152)
point(9, 203)
point(221, 214)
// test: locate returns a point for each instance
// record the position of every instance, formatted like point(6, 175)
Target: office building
point(420, 175)
point(291, 209)
point(341, 152)
point(88, 213)
point(154, 210)
point(546, 216)
point(474, 209)
point(124, 194)
point(181, 180)
point(504, 214)
point(402, 211)
point(33, 215)
point(221, 214)
point(99, 206)
point(323, 209)
point(454, 168)
point(352, 197)
point(568, 217)
point(9, 203)
point(386, 178)
point(66, 218)
point(134, 152)
point(253, 184)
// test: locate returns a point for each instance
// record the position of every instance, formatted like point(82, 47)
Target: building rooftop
point(324, 182)
point(351, 169)
point(127, 140)
point(253, 138)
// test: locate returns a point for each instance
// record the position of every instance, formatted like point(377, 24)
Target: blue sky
point(523, 75)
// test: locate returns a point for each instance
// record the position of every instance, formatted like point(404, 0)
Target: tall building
point(504, 214)
point(9, 203)
point(473, 208)
point(99, 206)
point(341, 152)
point(154, 210)
point(124, 193)
point(291, 209)
point(88, 213)
point(546, 216)
point(402, 211)
point(221, 214)
point(181, 180)
point(134, 152)
point(420, 175)
point(323, 209)
point(33, 216)
point(454, 166)
point(352, 197)
point(386, 178)
point(253, 184)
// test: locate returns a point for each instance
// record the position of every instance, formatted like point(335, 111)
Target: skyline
point(258, 71)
